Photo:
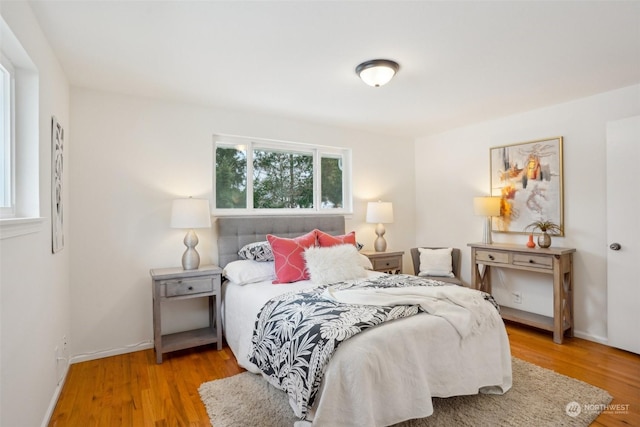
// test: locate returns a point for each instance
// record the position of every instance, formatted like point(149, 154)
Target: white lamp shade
point(486, 206)
point(190, 213)
point(380, 212)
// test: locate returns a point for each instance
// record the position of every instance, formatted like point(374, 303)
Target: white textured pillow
point(243, 272)
point(365, 262)
point(333, 264)
point(435, 262)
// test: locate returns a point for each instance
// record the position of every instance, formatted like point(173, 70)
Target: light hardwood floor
point(132, 390)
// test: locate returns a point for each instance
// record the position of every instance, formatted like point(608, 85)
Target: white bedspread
point(465, 309)
point(389, 373)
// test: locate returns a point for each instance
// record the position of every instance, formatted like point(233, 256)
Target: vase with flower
point(546, 227)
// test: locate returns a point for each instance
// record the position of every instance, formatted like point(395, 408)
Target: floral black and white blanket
point(296, 333)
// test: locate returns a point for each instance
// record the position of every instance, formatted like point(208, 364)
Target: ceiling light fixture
point(377, 72)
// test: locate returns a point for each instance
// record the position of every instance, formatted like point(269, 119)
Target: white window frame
point(317, 151)
point(26, 217)
point(7, 138)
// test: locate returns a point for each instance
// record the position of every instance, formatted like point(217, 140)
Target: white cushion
point(334, 264)
point(365, 262)
point(243, 272)
point(435, 262)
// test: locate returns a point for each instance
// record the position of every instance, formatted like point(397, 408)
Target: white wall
point(453, 167)
point(132, 156)
point(34, 283)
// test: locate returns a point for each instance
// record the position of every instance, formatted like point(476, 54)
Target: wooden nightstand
point(174, 284)
point(385, 262)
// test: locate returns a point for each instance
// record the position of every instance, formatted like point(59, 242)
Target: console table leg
point(559, 301)
point(483, 278)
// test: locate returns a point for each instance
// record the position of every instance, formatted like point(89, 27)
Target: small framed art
point(57, 211)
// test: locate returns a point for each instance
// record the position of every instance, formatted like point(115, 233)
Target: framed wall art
point(57, 218)
point(528, 178)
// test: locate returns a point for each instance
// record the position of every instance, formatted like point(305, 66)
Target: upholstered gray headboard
point(235, 232)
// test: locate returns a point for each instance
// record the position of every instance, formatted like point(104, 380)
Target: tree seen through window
point(280, 176)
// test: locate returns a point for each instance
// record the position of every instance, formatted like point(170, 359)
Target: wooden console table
point(558, 262)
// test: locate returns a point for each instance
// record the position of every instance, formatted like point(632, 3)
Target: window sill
point(14, 227)
point(276, 212)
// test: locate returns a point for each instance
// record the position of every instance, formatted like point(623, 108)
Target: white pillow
point(365, 262)
point(435, 262)
point(334, 263)
point(243, 272)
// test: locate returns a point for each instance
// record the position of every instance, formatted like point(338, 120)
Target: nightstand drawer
point(534, 261)
point(492, 256)
point(180, 287)
point(386, 263)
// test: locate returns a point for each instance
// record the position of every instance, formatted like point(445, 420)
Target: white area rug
point(539, 397)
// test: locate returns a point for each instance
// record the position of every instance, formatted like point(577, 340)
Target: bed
point(379, 377)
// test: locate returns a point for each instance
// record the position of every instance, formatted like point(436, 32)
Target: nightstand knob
point(531, 261)
point(491, 257)
point(190, 288)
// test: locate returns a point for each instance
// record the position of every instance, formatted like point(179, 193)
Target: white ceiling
point(461, 62)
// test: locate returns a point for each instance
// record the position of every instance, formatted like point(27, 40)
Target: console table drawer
point(492, 256)
point(180, 287)
point(534, 261)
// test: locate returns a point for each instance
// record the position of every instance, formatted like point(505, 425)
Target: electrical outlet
point(517, 297)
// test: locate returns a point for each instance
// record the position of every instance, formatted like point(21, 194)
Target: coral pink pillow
point(289, 257)
point(326, 240)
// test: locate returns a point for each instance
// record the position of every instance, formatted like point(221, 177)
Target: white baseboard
point(144, 345)
point(54, 398)
point(589, 337)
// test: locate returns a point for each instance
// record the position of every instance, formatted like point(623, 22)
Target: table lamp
point(486, 207)
point(190, 213)
point(380, 213)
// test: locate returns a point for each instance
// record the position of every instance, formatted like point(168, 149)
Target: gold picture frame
point(528, 177)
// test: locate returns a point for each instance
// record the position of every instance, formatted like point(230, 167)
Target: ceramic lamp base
point(191, 257)
point(486, 235)
point(380, 245)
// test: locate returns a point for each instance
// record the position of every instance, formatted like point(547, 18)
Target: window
point(254, 175)
point(7, 112)
point(19, 139)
